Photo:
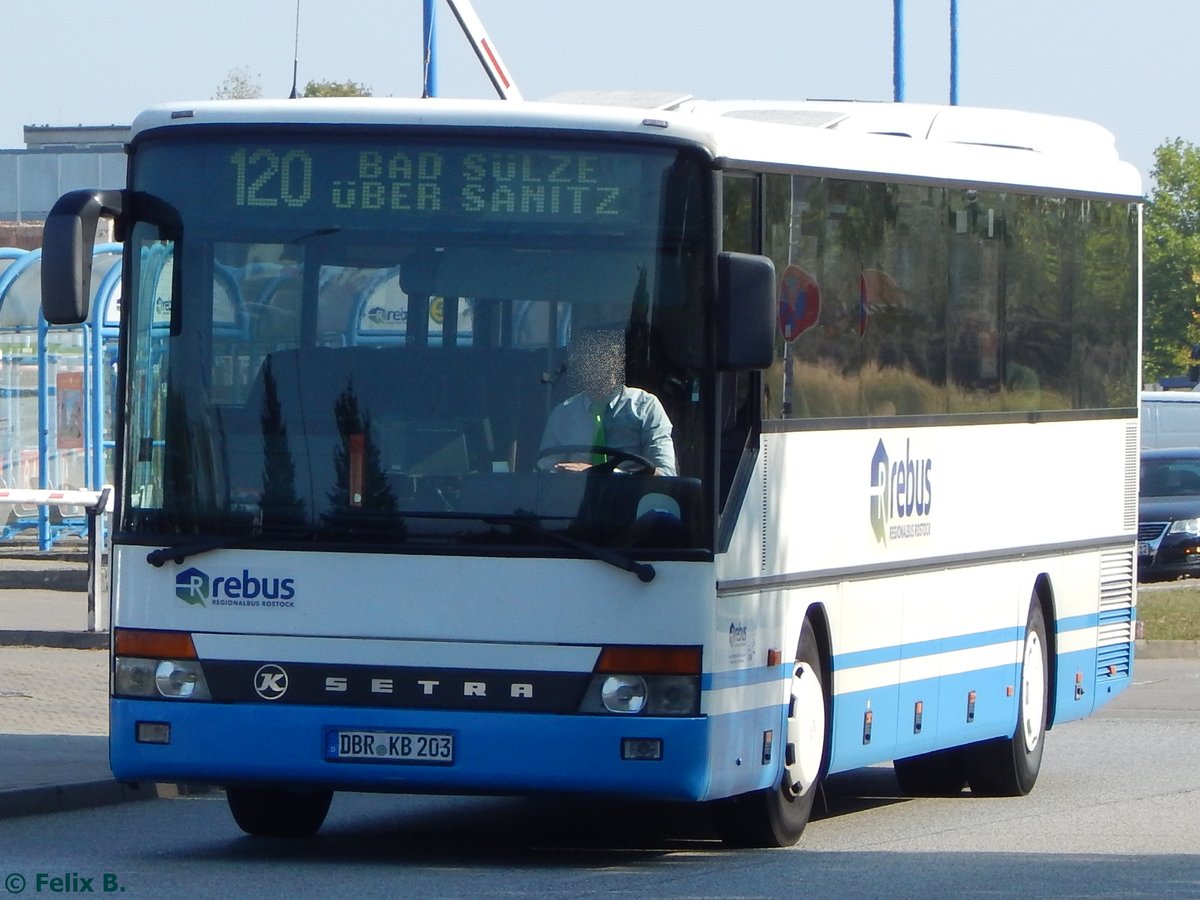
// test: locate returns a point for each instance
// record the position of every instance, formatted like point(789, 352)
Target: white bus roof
point(901, 141)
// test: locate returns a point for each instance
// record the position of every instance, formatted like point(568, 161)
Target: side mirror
point(746, 313)
point(67, 241)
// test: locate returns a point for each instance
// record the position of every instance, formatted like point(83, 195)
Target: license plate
point(430, 748)
point(1144, 548)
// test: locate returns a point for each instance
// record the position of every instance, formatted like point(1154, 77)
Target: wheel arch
point(1043, 591)
point(817, 616)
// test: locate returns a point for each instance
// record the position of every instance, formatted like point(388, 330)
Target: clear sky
point(1128, 65)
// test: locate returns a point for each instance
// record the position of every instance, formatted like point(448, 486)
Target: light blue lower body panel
point(1089, 679)
point(745, 759)
point(493, 752)
point(957, 709)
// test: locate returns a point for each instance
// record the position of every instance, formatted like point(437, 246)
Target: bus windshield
point(360, 338)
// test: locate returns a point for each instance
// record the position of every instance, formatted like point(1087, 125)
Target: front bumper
point(501, 753)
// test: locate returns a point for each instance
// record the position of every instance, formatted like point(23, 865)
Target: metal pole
point(96, 611)
point(296, 56)
point(898, 50)
point(429, 50)
point(102, 405)
point(954, 52)
point(43, 407)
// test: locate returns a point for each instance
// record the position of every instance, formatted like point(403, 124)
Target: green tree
point(280, 504)
point(239, 84)
point(1171, 323)
point(336, 89)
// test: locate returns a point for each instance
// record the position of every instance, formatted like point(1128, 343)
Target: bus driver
point(605, 412)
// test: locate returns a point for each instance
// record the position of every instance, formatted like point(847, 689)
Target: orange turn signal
point(153, 644)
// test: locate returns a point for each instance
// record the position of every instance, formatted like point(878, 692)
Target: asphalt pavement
point(54, 686)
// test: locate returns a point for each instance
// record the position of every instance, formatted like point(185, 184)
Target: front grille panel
point(1151, 531)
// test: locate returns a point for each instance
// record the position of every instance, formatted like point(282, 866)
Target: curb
point(72, 581)
point(56, 640)
point(1166, 650)
point(66, 797)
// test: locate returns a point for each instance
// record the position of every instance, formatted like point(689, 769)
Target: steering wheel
point(615, 456)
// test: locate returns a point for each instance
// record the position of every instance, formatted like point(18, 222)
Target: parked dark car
point(1169, 514)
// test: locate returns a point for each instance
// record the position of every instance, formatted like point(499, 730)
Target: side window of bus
point(948, 301)
point(740, 226)
point(739, 213)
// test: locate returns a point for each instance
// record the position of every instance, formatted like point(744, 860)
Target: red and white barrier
point(34, 497)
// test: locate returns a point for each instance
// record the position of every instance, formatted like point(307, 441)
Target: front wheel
point(277, 812)
point(776, 817)
point(1009, 767)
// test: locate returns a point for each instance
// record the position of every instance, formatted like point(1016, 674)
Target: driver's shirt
point(633, 420)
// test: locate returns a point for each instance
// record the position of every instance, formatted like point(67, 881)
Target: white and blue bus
point(898, 347)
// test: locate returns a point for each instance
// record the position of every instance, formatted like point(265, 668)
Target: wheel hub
point(1033, 692)
point(805, 730)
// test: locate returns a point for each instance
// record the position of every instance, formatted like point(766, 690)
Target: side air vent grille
point(1114, 637)
point(1131, 477)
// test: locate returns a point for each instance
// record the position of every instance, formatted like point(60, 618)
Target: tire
point(276, 812)
point(942, 773)
point(776, 817)
point(1009, 767)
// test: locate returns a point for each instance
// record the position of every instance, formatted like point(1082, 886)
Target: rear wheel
point(776, 817)
point(277, 812)
point(1009, 767)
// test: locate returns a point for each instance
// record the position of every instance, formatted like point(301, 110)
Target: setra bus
point(898, 348)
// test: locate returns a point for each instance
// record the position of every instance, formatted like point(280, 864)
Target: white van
point(1170, 419)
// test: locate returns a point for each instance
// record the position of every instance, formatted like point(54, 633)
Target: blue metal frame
point(92, 353)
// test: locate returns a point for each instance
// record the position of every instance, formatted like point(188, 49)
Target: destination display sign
point(354, 180)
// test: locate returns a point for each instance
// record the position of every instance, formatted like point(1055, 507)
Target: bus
point(898, 348)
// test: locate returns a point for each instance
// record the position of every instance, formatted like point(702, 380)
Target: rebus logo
point(901, 490)
point(196, 587)
point(191, 586)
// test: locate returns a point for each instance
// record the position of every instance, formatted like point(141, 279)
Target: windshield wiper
point(320, 232)
point(179, 552)
point(531, 522)
point(644, 571)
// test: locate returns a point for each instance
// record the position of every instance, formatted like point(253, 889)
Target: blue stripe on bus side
point(1077, 623)
point(917, 649)
point(715, 681)
point(895, 653)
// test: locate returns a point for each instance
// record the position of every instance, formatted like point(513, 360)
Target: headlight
point(1185, 526)
point(134, 677)
point(176, 679)
point(181, 678)
point(648, 695)
point(623, 693)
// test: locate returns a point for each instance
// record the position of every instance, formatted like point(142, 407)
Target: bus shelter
point(56, 393)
